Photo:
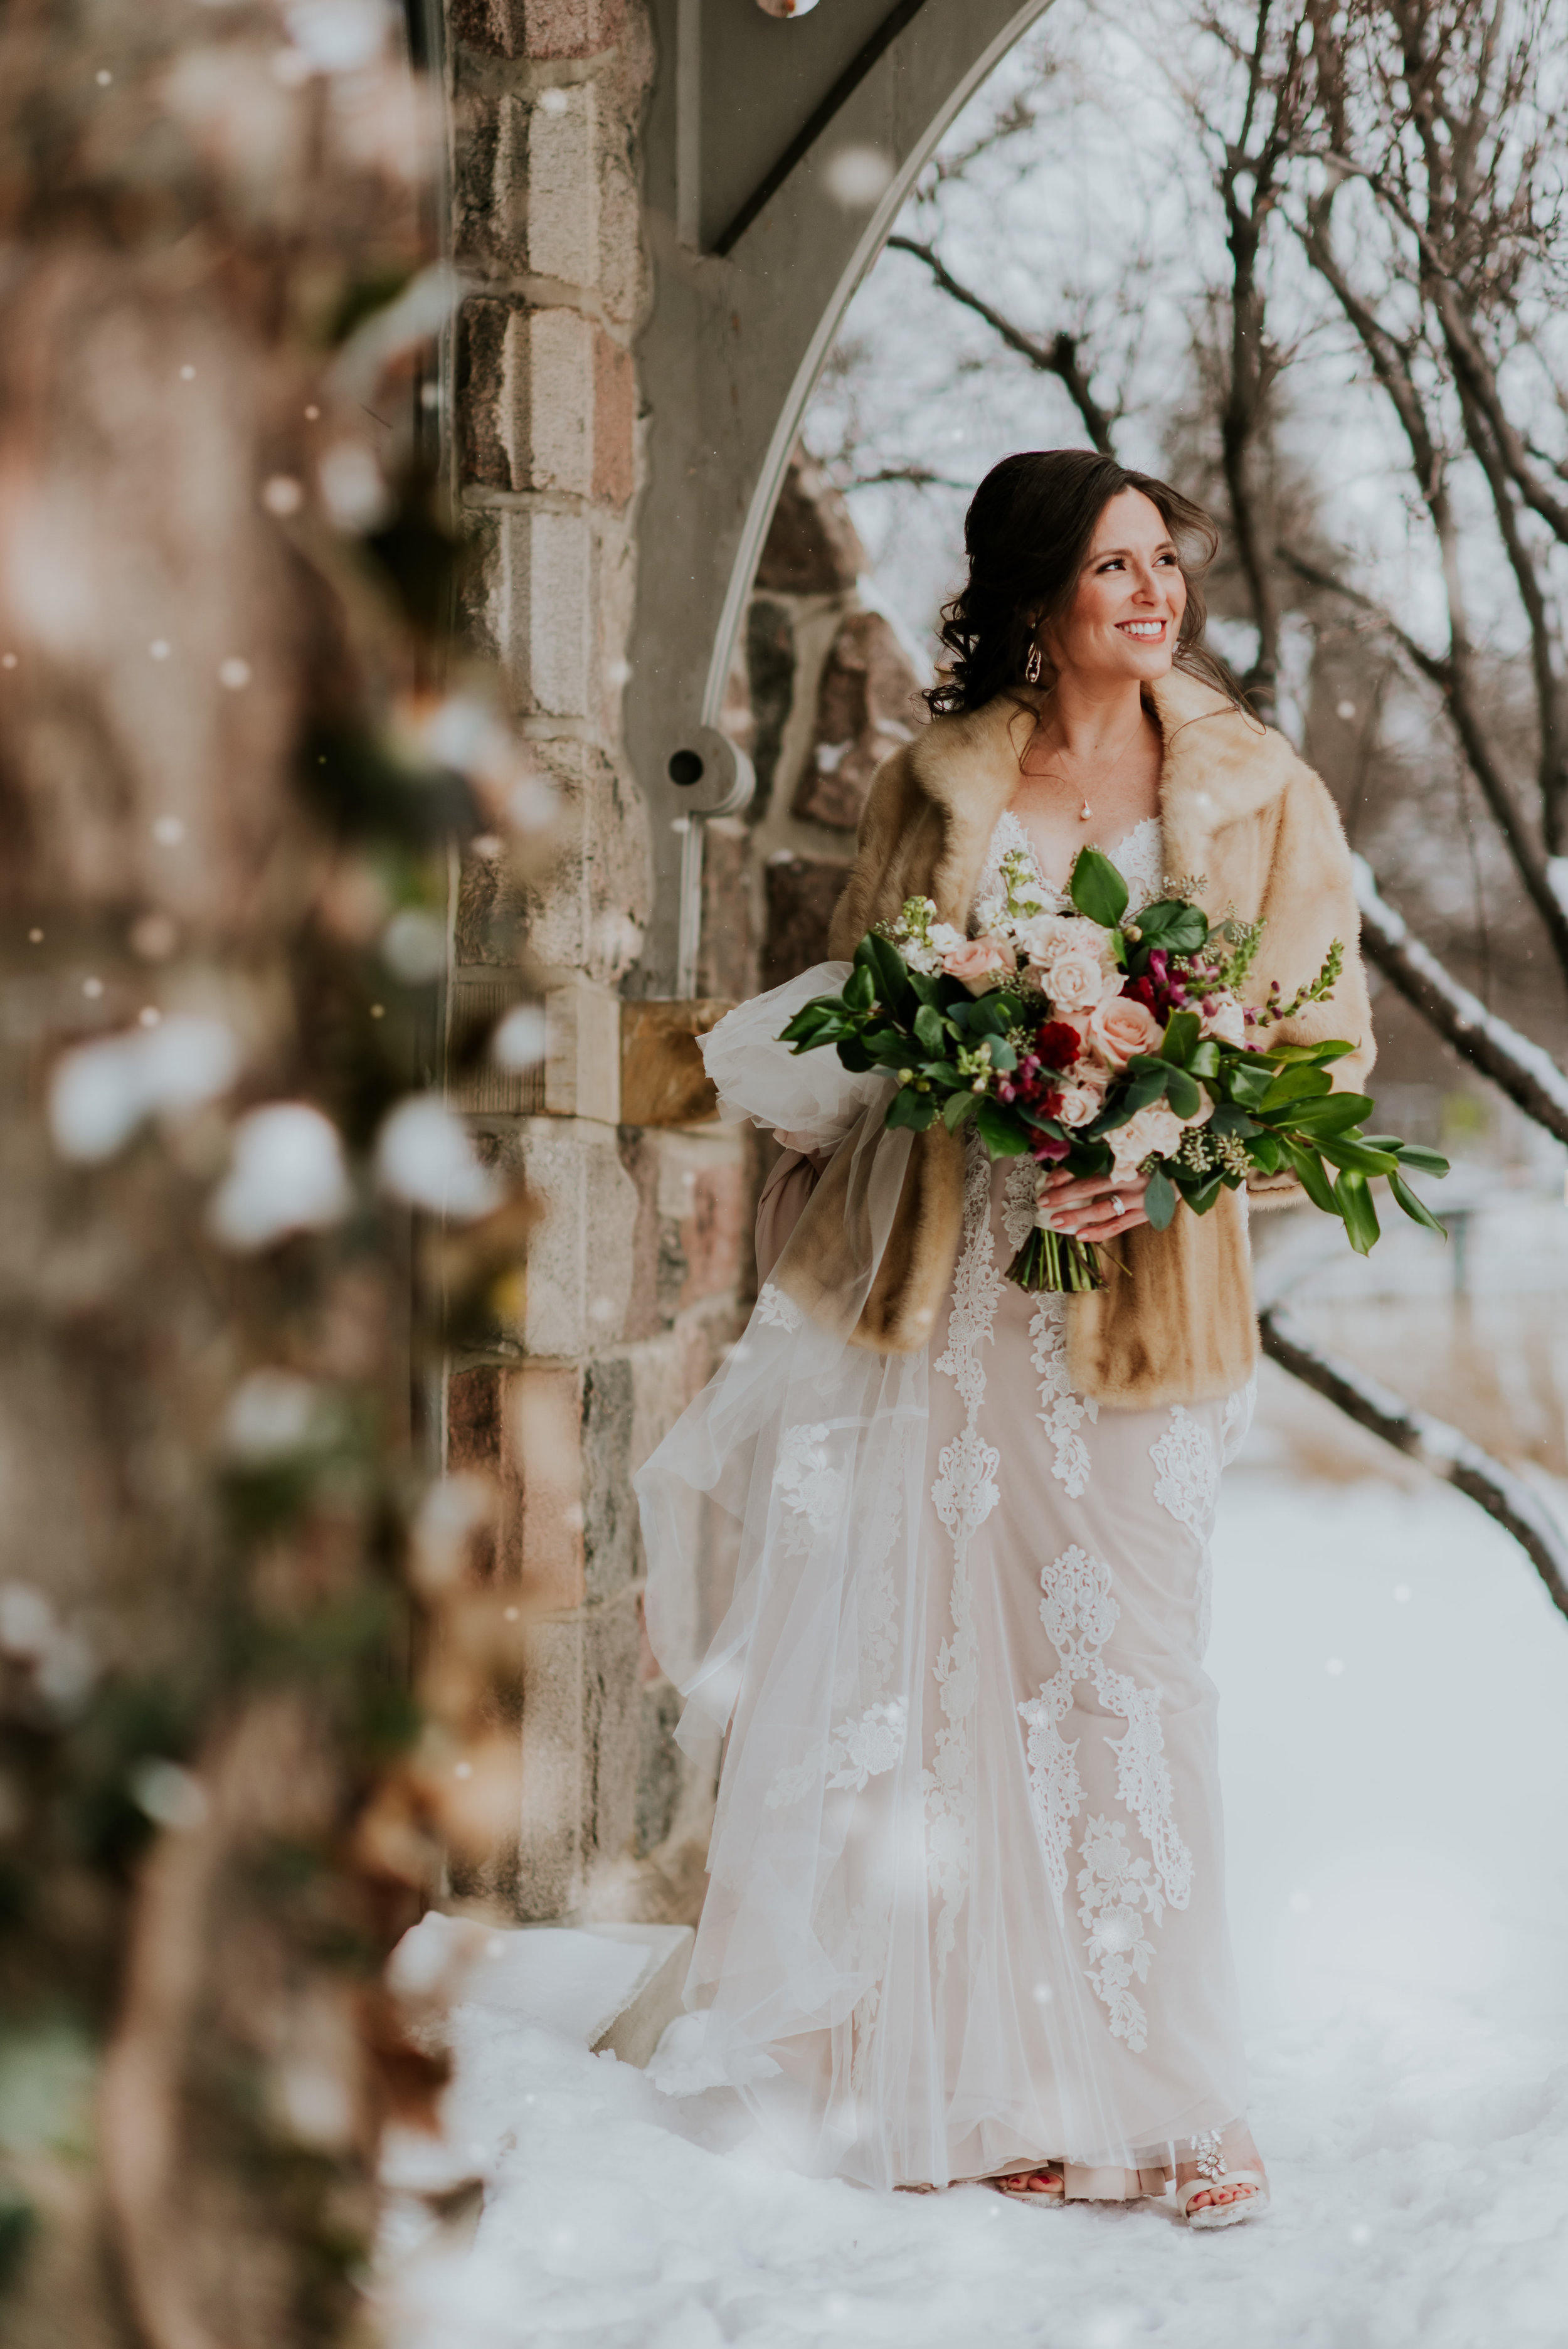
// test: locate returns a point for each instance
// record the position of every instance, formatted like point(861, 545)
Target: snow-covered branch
point(1432, 1442)
point(1524, 1070)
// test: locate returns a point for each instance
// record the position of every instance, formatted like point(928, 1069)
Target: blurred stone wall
point(639, 1274)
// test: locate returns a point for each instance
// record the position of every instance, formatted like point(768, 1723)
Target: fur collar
point(1221, 765)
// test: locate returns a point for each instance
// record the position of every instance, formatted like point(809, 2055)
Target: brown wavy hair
point(1028, 529)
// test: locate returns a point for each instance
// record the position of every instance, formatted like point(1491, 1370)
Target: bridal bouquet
point(1109, 1046)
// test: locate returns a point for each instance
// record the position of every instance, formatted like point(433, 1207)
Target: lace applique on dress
point(963, 1496)
point(857, 1751)
point(1062, 1413)
point(1187, 1484)
point(1235, 1419)
point(1187, 1472)
point(1079, 1612)
point(1020, 1198)
point(775, 1311)
point(811, 1487)
point(1140, 859)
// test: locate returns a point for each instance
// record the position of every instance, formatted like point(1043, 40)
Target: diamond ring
point(1115, 1207)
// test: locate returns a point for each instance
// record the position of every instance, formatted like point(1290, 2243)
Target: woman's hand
point(1093, 1206)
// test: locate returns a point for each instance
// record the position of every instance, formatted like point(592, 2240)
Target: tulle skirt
point(966, 1902)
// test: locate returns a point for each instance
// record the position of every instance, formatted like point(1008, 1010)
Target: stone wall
point(638, 1273)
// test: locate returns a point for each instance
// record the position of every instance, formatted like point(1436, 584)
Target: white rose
point(1076, 980)
point(944, 937)
point(1228, 1021)
point(1154, 1132)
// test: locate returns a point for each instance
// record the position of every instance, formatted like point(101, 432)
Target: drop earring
point(1034, 666)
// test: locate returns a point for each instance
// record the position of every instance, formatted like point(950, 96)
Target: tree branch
point(1451, 676)
point(1060, 357)
point(1442, 1450)
point(1521, 1069)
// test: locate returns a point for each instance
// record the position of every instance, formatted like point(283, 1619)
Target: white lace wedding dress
point(966, 1908)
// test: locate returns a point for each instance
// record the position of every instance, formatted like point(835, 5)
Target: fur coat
point(1247, 828)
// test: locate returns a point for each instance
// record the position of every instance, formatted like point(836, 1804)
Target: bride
point(965, 1916)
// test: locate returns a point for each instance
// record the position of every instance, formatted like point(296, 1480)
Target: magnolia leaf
point(1356, 1208)
point(918, 1111)
point(1098, 889)
point(1160, 1199)
point(1181, 1036)
point(1417, 1209)
point(1002, 1135)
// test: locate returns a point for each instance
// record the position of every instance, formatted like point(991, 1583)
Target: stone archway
point(659, 215)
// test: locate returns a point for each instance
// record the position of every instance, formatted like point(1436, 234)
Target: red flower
point(1058, 1044)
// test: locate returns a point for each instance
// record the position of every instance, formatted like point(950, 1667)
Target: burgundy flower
point(1058, 1044)
point(1046, 1146)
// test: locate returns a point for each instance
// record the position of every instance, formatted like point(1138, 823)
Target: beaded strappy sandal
point(1213, 2174)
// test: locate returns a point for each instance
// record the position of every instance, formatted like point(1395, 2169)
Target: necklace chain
point(1086, 813)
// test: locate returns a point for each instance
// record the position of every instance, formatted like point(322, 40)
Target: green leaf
point(1356, 1208)
point(1333, 1113)
point(1160, 1199)
point(1203, 1197)
point(1309, 1170)
point(854, 1055)
point(1267, 1152)
point(931, 1027)
point(1249, 1080)
point(1181, 1094)
point(918, 1111)
point(1003, 1056)
point(956, 1108)
point(1177, 927)
point(1295, 1085)
point(1409, 1154)
point(1001, 1133)
point(1229, 1119)
point(1355, 1157)
point(859, 988)
point(891, 973)
point(1181, 1036)
point(1317, 1056)
point(1415, 1208)
point(1204, 1061)
point(1098, 889)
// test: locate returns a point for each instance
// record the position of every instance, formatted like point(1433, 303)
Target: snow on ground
point(1395, 1728)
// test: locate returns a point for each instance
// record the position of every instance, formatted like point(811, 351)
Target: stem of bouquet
point(1057, 1260)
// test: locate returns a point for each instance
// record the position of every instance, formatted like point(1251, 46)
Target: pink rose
point(1154, 1132)
point(1122, 1026)
point(1080, 1104)
point(980, 963)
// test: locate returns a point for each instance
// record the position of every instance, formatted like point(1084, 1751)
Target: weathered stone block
point(660, 1772)
point(802, 891)
point(583, 1050)
point(521, 1428)
point(813, 547)
point(867, 706)
point(543, 589)
point(526, 382)
point(586, 911)
point(609, 1504)
point(613, 475)
point(538, 28)
point(663, 1081)
point(580, 1746)
point(727, 963)
point(578, 1269)
point(564, 185)
point(702, 1192)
